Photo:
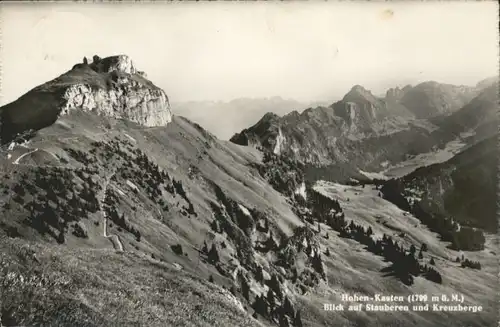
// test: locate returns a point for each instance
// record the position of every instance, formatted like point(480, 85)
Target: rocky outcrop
point(120, 63)
point(130, 96)
point(147, 107)
point(396, 94)
point(261, 134)
point(110, 86)
point(360, 108)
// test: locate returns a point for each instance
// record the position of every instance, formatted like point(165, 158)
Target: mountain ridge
point(430, 98)
point(334, 132)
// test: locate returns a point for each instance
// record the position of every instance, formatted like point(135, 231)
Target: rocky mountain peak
point(270, 116)
point(358, 88)
point(359, 108)
point(110, 86)
point(395, 94)
point(120, 63)
point(357, 92)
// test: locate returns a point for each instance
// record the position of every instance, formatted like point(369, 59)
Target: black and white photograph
point(249, 164)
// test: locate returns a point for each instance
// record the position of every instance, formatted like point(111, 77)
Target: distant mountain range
point(226, 118)
point(369, 132)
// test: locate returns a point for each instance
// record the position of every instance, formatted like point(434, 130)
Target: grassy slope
point(174, 148)
point(109, 288)
point(61, 286)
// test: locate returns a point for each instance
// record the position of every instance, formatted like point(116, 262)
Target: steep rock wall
point(111, 87)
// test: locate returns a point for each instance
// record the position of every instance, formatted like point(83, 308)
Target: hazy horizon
point(216, 51)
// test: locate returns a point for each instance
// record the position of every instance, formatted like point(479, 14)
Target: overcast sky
point(220, 51)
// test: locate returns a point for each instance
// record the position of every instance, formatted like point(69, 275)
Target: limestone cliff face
point(131, 101)
point(128, 94)
point(111, 86)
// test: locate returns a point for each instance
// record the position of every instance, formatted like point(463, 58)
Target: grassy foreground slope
point(60, 286)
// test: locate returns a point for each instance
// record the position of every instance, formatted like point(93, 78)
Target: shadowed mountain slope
point(463, 187)
point(432, 99)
